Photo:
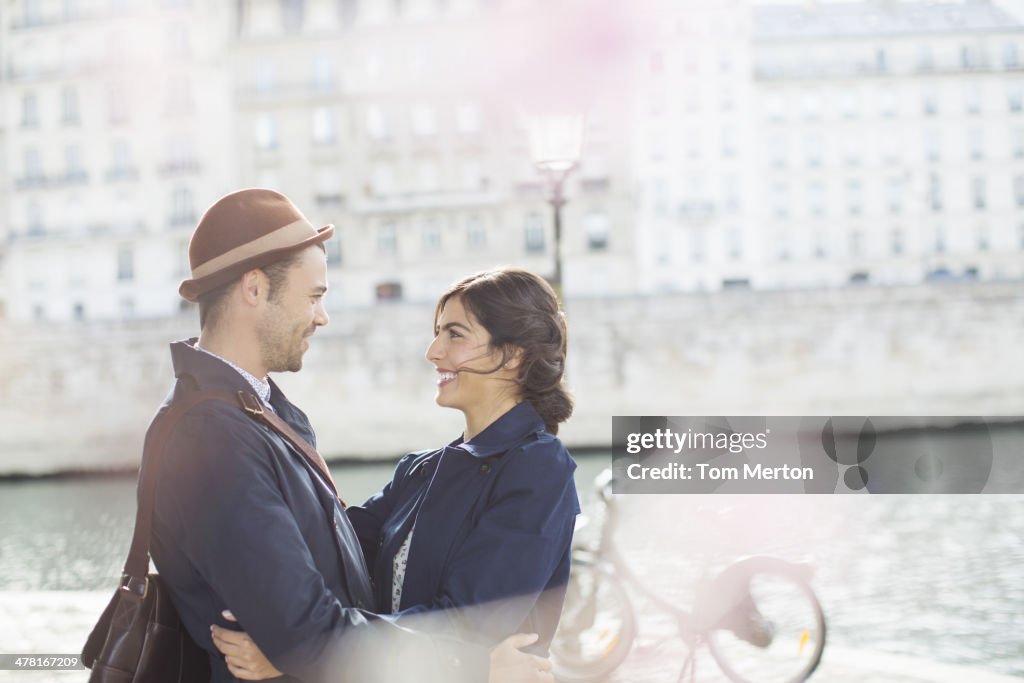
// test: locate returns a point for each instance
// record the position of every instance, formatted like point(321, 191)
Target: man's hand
point(243, 658)
point(509, 665)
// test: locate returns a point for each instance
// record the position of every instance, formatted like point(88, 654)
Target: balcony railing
point(177, 167)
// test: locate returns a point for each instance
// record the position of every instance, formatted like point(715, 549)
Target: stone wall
point(78, 397)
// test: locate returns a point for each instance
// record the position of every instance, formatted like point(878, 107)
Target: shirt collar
point(210, 371)
point(260, 386)
point(503, 433)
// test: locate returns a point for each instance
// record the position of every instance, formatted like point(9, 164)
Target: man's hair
point(211, 304)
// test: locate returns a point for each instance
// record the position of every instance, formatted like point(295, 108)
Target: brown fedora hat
point(246, 229)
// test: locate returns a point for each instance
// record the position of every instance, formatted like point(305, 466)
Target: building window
point(856, 243)
point(476, 235)
point(894, 191)
point(176, 42)
point(78, 311)
point(697, 245)
point(472, 175)
point(1020, 235)
point(978, 193)
point(596, 225)
point(925, 60)
point(73, 163)
point(117, 104)
point(932, 145)
point(881, 60)
point(1018, 190)
point(333, 250)
point(731, 192)
point(328, 186)
point(182, 211)
point(467, 118)
point(179, 95)
point(382, 180)
point(121, 154)
point(811, 105)
point(930, 103)
point(323, 126)
point(935, 192)
point(816, 199)
point(896, 241)
point(323, 73)
point(982, 238)
point(779, 148)
point(855, 197)
point(1018, 143)
point(69, 105)
point(292, 14)
point(387, 239)
point(33, 165)
point(780, 200)
point(1015, 99)
point(29, 110)
point(427, 179)
point(1010, 56)
point(423, 123)
point(853, 149)
point(976, 144)
point(848, 104)
point(264, 77)
point(534, 232)
point(125, 264)
point(266, 132)
point(972, 99)
point(887, 104)
point(431, 236)
point(377, 126)
point(389, 291)
point(969, 57)
point(728, 142)
point(34, 219)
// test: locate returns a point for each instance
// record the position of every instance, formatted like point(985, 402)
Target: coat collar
point(503, 433)
point(210, 372)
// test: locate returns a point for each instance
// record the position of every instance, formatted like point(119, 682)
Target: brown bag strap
point(137, 565)
point(254, 407)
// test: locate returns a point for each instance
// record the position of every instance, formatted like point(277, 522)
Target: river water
point(941, 577)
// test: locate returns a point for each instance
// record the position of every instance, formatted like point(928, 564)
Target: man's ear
point(254, 286)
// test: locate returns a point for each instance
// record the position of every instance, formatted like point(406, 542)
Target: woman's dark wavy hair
point(520, 311)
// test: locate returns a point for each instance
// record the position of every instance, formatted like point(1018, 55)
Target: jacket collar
point(503, 433)
point(208, 371)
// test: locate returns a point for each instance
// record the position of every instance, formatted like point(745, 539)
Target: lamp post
point(555, 144)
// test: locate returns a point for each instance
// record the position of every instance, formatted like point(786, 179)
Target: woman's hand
point(509, 665)
point(243, 658)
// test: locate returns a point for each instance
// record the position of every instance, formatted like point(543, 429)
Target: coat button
point(485, 468)
point(455, 661)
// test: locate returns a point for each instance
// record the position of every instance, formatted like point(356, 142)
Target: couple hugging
point(455, 571)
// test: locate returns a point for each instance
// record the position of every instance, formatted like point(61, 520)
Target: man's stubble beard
point(279, 350)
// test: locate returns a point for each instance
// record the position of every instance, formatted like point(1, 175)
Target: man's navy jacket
point(242, 522)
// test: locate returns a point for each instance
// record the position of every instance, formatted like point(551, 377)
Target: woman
point(482, 527)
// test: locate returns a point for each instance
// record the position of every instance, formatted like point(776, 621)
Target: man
point(242, 520)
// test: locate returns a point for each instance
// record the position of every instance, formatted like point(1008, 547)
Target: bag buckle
point(137, 587)
point(250, 403)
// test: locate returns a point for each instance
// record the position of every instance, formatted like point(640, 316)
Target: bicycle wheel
point(775, 630)
point(597, 627)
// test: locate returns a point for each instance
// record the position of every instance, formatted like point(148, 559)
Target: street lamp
point(555, 143)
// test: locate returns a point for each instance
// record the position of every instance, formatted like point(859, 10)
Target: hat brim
point(191, 290)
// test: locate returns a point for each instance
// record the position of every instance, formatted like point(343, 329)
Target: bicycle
point(759, 618)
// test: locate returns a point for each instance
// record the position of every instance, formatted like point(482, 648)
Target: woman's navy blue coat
point(493, 526)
